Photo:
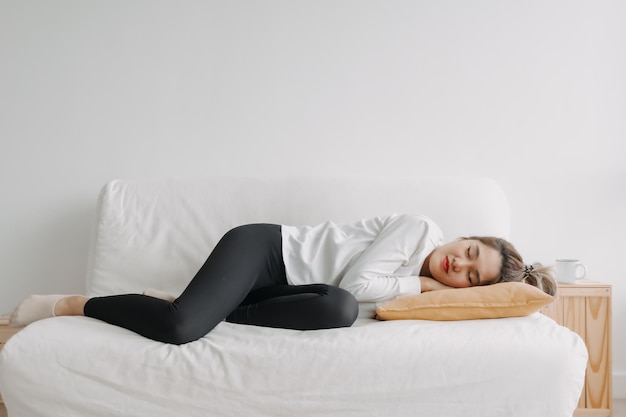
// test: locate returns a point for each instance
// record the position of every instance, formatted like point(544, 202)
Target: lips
point(445, 264)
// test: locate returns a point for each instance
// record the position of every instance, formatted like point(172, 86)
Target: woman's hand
point(431, 284)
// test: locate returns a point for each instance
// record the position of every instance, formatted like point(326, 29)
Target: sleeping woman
point(302, 277)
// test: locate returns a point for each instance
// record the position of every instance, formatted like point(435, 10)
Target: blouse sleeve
point(372, 277)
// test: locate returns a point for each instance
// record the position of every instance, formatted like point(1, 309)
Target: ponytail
point(540, 276)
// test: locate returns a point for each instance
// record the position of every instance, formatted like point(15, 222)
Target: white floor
point(619, 408)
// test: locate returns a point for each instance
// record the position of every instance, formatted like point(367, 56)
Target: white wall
point(531, 93)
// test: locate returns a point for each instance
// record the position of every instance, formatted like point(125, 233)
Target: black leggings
point(242, 281)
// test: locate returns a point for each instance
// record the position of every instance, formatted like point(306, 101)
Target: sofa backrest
point(157, 233)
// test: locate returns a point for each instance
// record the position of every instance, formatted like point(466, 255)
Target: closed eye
point(469, 273)
point(477, 274)
point(477, 254)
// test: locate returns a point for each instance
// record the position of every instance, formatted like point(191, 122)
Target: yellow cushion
point(506, 299)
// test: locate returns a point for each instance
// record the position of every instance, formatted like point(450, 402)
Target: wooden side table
point(585, 308)
point(5, 334)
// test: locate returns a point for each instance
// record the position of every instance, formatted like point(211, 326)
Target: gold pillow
point(505, 299)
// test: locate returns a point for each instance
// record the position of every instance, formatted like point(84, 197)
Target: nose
point(460, 264)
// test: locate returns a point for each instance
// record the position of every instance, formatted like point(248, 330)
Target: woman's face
point(465, 263)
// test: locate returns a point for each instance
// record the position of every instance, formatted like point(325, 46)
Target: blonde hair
point(513, 268)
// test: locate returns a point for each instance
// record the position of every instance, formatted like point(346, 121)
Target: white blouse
point(375, 259)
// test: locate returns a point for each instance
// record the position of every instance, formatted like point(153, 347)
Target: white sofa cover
point(156, 233)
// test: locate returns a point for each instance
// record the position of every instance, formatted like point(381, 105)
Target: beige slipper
point(35, 307)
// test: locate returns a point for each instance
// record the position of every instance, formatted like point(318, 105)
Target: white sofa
point(156, 233)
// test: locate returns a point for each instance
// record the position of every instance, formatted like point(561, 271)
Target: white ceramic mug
point(569, 270)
